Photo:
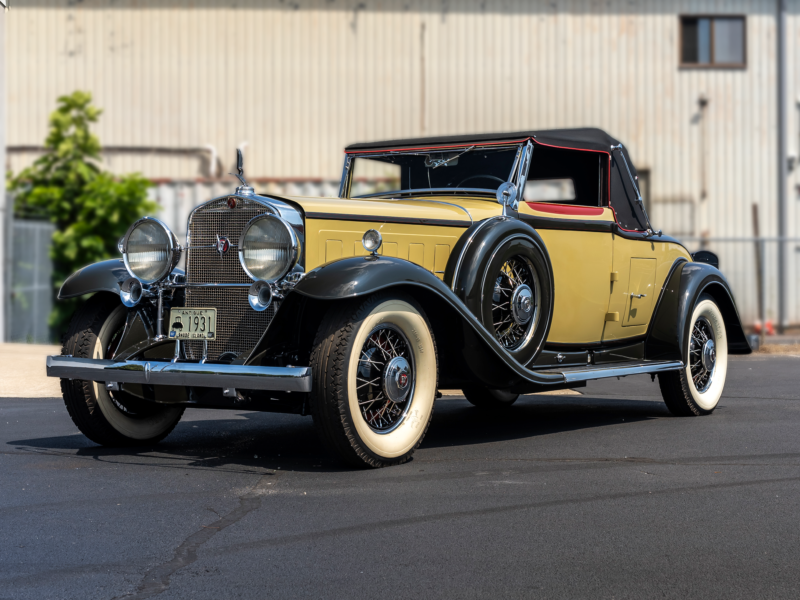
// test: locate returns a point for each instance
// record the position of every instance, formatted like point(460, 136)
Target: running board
point(590, 372)
point(246, 377)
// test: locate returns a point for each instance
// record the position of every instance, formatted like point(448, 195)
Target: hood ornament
point(245, 189)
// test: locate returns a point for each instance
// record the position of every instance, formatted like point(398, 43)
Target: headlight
point(150, 250)
point(268, 248)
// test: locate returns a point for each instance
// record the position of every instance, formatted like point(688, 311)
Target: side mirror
point(507, 195)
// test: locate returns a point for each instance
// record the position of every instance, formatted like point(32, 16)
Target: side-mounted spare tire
point(501, 270)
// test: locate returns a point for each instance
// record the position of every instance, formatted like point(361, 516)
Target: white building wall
point(296, 81)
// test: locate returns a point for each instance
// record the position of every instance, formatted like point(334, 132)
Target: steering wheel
point(480, 177)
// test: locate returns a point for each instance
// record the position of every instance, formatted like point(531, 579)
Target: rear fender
point(666, 338)
point(466, 349)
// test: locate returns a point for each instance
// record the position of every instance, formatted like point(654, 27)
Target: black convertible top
point(623, 199)
point(584, 138)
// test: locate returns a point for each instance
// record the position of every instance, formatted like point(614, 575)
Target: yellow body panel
point(595, 273)
point(640, 267)
point(581, 263)
point(426, 245)
point(435, 207)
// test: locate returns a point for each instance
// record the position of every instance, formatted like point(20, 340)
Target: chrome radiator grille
point(239, 327)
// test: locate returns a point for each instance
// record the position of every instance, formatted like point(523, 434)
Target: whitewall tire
point(119, 420)
point(697, 388)
point(375, 379)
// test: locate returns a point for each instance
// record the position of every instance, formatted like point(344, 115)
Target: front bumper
point(245, 377)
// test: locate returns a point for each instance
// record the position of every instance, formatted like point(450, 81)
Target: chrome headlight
point(268, 248)
point(150, 250)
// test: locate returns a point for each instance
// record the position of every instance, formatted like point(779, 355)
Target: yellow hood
point(434, 208)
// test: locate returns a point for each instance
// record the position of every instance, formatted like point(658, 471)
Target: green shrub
point(90, 208)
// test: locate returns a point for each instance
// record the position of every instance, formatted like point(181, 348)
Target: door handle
point(638, 295)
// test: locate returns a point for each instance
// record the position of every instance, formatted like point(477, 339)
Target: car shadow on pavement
point(456, 422)
point(247, 441)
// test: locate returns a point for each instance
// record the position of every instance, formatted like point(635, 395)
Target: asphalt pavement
point(601, 495)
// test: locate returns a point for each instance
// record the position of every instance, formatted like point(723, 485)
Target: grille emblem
point(232, 202)
point(223, 245)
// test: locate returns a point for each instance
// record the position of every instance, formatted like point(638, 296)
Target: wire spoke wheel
point(515, 302)
point(385, 378)
point(702, 354)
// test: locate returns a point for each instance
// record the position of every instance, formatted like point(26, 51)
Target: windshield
point(474, 168)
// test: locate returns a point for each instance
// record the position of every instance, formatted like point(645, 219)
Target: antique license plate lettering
point(193, 323)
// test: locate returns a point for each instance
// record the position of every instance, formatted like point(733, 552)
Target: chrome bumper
point(245, 377)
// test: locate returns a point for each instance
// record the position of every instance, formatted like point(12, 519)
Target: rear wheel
point(696, 389)
point(483, 397)
point(109, 418)
point(375, 377)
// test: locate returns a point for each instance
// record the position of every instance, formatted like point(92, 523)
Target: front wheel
point(696, 389)
point(375, 378)
point(109, 418)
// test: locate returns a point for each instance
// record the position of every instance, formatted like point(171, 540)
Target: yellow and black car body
point(496, 264)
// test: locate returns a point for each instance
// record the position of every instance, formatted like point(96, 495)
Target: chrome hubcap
point(385, 378)
point(396, 379)
point(709, 355)
point(522, 304)
point(702, 354)
point(515, 302)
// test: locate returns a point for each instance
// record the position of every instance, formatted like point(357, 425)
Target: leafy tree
point(90, 208)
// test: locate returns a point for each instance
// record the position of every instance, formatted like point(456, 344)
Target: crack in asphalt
point(317, 535)
point(156, 580)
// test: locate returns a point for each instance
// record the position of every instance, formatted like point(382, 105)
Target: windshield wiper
point(435, 164)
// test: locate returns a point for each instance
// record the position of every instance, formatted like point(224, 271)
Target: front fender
point(360, 276)
point(666, 339)
point(104, 276)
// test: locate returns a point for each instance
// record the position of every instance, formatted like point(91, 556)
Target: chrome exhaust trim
point(245, 377)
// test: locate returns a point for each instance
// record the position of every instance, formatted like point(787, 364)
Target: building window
point(712, 41)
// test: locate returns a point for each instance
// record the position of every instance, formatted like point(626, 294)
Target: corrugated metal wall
point(297, 80)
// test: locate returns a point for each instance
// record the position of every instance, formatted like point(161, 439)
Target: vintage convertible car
point(496, 264)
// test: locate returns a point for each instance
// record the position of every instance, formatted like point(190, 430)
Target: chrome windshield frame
point(345, 186)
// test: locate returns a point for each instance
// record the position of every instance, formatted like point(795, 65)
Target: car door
point(579, 243)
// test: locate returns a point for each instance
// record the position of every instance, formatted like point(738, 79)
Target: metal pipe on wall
point(3, 226)
point(783, 162)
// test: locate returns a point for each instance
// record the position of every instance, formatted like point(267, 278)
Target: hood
point(468, 210)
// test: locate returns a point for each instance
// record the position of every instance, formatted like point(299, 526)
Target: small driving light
point(371, 241)
point(130, 292)
point(260, 296)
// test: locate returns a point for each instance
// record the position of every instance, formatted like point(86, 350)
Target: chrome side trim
point(590, 373)
point(466, 247)
point(246, 377)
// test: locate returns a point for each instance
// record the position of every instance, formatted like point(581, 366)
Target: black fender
point(105, 276)
point(472, 255)
point(458, 332)
point(666, 337)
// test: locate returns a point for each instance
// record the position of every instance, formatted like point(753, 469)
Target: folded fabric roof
point(584, 138)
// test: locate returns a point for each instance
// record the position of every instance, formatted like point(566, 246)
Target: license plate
point(193, 323)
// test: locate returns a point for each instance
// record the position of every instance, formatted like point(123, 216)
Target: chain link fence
point(28, 279)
